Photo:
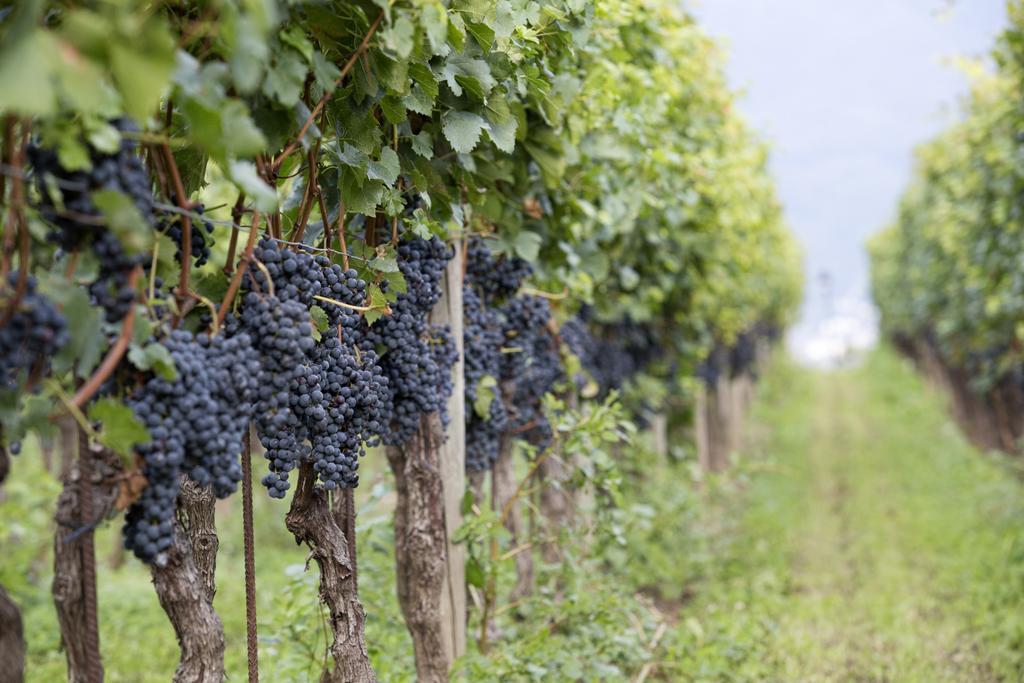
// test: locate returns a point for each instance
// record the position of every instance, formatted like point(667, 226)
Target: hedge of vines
point(949, 269)
point(238, 214)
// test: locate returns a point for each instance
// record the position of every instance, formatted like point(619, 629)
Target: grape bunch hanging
point(507, 339)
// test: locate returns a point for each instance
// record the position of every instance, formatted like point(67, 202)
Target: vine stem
point(236, 218)
point(243, 264)
point(7, 157)
point(312, 186)
point(327, 95)
point(252, 646)
point(546, 295)
point(16, 218)
point(340, 228)
point(361, 309)
point(186, 222)
point(114, 355)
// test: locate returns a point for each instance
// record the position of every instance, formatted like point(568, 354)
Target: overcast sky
point(844, 90)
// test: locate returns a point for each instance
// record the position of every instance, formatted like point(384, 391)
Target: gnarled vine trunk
point(312, 522)
point(90, 491)
point(183, 592)
point(196, 511)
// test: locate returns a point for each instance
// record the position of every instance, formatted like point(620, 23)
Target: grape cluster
point(201, 239)
point(35, 332)
point(711, 369)
point(66, 202)
point(196, 424)
point(611, 353)
point(320, 400)
point(496, 279)
point(506, 337)
point(416, 357)
point(743, 354)
point(533, 367)
point(482, 341)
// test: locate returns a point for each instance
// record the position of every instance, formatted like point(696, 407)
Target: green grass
point(873, 544)
point(859, 539)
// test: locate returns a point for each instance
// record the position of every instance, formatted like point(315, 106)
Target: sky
point(843, 91)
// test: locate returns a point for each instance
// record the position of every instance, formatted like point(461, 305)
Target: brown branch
point(8, 158)
point(341, 235)
point(243, 264)
point(306, 208)
point(327, 95)
point(114, 355)
point(236, 219)
point(16, 217)
point(186, 223)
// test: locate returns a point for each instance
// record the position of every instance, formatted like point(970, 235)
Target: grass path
point(892, 549)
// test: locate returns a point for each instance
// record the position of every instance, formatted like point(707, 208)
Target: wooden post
point(453, 464)
point(659, 433)
point(702, 429)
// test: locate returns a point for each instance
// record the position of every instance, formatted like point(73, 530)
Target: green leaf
point(398, 38)
point(393, 108)
point(325, 72)
point(319, 317)
point(462, 129)
point(142, 68)
point(423, 144)
point(349, 156)
point(425, 79)
point(246, 177)
point(85, 345)
point(154, 357)
point(475, 575)
point(286, 78)
point(121, 430)
point(527, 245)
point(124, 220)
point(386, 169)
point(378, 300)
point(503, 135)
point(434, 20)
point(486, 393)
point(418, 101)
point(482, 34)
point(26, 75)
point(359, 194)
point(241, 137)
point(249, 55)
point(474, 74)
point(396, 285)
point(384, 264)
point(295, 36)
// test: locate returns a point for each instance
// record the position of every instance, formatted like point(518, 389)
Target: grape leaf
point(462, 129)
point(153, 357)
point(121, 429)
